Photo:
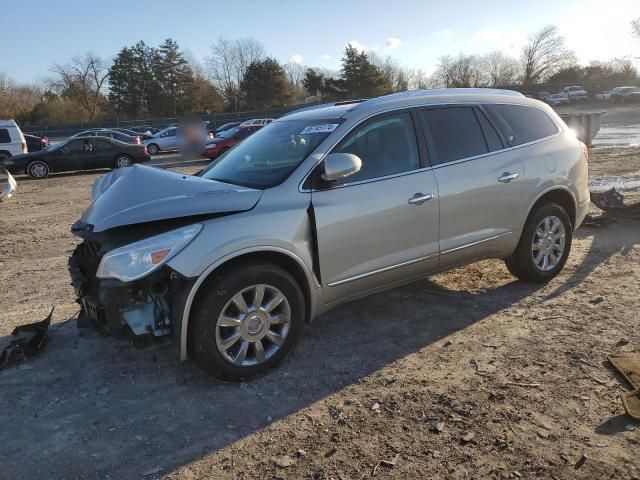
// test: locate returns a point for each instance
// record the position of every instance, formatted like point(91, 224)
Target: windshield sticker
point(323, 128)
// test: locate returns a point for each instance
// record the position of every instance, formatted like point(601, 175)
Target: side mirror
point(340, 165)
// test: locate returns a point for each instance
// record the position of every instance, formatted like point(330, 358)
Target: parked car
point(109, 133)
point(132, 133)
point(557, 99)
point(34, 143)
point(322, 207)
point(621, 95)
point(228, 139)
point(147, 129)
point(575, 93)
point(225, 127)
point(79, 153)
point(542, 95)
point(256, 121)
point(604, 96)
point(12, 141)
point(164, 140)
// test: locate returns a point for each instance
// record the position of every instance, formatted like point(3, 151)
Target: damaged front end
point(135, 296)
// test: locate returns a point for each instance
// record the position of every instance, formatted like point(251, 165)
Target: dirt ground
point(468, 375)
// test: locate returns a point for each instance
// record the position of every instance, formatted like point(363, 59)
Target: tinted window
point(102, 145)
point(386, 146)
point(455, 132)
point(527, 123)
point(491, 136)
point(78, 146)
point(4, 136)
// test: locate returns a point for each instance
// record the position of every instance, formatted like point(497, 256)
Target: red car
point(228, 139)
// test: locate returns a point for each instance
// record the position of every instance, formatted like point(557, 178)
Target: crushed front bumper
point(146, 311)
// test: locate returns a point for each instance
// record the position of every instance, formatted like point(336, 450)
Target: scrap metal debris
point(598, 220)
point(28, 345)
point(612, 203)
point(9, 188)
point(629, 367)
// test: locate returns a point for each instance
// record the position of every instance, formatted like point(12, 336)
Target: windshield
point(270, 155)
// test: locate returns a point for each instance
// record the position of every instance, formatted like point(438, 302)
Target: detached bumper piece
point(31, 339)
point(612, 203)
point(140, 311)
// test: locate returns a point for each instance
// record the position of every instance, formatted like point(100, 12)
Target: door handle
point(506, 177)
point(420, 198)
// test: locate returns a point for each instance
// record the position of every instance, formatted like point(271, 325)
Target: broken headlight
point(139, 259)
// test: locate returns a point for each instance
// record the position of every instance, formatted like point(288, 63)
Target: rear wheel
point(38, 169)
point(250, 319)
point(153, 149)
point(544, 245)
point(4, 156)
point(123, 161)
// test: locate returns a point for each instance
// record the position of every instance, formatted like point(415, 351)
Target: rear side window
point(4, 136)
point(527, 124)
point(493, 139)
point(456, 133)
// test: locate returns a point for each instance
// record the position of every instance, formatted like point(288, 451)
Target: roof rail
point(444, 91)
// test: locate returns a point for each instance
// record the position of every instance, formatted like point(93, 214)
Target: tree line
point(144, 81)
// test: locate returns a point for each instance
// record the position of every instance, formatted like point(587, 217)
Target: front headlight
point(139, 259)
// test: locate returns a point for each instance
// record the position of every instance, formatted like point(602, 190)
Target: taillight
point(145, 150)
point(138, 140)
point(24, 146)
point(585, 151)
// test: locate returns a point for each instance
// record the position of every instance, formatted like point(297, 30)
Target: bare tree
point(544, 54)
point(501, 70)
point(82, 80)
point(397, 76)
point(228, 63)
point(295, 73)
point(17, 100)
point(461, 71)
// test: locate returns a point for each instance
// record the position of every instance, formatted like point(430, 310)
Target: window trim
point(416, 108)
point(421, 148)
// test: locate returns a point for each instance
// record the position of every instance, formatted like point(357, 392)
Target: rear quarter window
point(527, 124)
point(4, 136)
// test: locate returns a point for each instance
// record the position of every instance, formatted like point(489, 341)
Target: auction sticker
point(322, 128)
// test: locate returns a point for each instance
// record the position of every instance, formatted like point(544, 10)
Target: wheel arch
point(561, 195)
point(279, 256)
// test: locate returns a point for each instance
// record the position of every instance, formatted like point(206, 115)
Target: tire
point(123, 161)
point(523, 264)
point(211, 334)
point(38, 170)
point(153, 149)
point(4, 155)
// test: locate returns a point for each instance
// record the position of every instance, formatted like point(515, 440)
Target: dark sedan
point(227, 140)
point(84, 153)
point(109, 133)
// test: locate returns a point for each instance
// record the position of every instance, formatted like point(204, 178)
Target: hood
point(140, 194)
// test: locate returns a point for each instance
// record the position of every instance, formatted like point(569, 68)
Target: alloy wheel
point(548, 243)
point(253, 325)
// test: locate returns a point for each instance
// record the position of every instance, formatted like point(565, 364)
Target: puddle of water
point(617, 136)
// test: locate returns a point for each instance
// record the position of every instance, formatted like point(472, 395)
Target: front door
point(481, 183)
point(73, 155)
point(378, 226)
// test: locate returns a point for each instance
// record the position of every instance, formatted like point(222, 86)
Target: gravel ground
point(469, 374)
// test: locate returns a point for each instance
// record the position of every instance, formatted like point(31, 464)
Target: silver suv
point(321, 207)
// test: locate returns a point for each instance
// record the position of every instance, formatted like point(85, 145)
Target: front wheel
point(38, 170)
point(247, 322)
point(544, 245)
point(153, 149)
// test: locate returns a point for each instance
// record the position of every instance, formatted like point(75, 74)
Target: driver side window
point(386, 146)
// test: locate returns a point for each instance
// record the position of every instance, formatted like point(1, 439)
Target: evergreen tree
point(265, 84)
point(361, 78)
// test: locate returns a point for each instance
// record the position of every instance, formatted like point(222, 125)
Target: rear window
point(4, 136)
point(527, 124)
point(456, 133)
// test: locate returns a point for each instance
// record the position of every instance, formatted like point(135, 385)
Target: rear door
point(379, 226)
point(480, 182)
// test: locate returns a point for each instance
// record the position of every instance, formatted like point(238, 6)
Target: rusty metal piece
point(612, 202)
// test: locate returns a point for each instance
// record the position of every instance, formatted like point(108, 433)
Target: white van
point(12, 140)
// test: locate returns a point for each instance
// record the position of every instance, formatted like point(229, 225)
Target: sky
point(308, 32)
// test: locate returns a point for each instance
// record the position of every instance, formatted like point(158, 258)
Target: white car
point(12, 140)
point(256, 121)
point(575, 93)
point(163, 140)
point(604, 96)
